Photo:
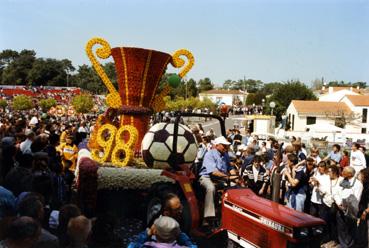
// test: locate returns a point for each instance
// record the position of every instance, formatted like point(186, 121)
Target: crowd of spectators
point(334, 187)
point(63, 95)
point(37, 162)
point(38, 159)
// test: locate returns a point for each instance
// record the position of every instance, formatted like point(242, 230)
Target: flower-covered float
point(114, 161)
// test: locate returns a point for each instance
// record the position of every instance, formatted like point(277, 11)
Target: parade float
point(112, 179)
point(114, 162)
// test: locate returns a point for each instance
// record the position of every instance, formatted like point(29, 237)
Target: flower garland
point(129, 178)
point(91, 178)
point(134, 110)
point(104, 52)
point(178, 62)
point(87, 184)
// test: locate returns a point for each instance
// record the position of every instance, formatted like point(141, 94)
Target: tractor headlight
point(318, 230)
point(301, 233)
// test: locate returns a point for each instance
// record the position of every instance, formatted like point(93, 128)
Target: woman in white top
point(319, 178)
point(357, 159)
point(329, 192)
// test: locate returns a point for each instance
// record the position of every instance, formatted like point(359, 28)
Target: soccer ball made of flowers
point(157, 146)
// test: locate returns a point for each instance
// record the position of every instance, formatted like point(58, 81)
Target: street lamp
point(272, 106)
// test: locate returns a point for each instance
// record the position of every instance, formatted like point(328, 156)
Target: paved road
point(214, 123)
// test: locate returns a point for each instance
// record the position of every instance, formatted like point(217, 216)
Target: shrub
point(3, 103)
point(83, 103)
point(22, 102)
point(46, 104)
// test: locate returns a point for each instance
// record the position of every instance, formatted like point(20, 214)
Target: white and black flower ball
point(157, 146)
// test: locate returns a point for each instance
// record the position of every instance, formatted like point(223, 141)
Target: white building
point(302, 113)
point(335, 94)
point(359, 106)
point(229, 97)
point(349, 112)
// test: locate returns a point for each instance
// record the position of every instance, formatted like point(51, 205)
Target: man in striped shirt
point(255, 176)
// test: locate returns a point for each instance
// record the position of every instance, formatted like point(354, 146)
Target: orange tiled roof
point(359, 100)
point(222, 92)
point(318, 107)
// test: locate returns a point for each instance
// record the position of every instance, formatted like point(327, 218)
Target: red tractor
point(245, 219)
point(248, 220)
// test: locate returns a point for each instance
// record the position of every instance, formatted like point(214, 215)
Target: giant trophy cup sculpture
point(118, 133)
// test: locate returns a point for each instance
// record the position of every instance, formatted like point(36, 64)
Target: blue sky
point(274, 40)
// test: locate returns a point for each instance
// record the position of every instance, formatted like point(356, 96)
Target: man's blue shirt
point(214, 160)
point(335, 156)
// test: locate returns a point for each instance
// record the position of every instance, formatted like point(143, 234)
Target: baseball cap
point(221, 140)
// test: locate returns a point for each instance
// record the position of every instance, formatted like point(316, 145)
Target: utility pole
point(186, 82)
point(244, 90)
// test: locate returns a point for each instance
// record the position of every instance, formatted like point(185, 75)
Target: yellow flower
point(122, 154)
point(178, 62)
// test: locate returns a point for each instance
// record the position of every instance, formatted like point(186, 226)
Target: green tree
point(184, 89)
point(22, 102)
point(342, 83)
point(251, 85)
point(338, 83)
point(50, 72)
point(86, 78)
point(228, 84)
point(6, 58)
point(292, 90)
point(255, 98)
point(180, 103)
point(16, 67)
point(3, 103)
point(362, 85)
point(83, 103)
point(205, 84)
point(269, 88)
point(192, 90)
point(46, 104)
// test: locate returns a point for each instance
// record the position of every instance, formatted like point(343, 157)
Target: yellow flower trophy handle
point(178, 62)
point(104, 52)
point(158, 104)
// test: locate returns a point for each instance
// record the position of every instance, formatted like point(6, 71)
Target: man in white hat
point(166, 231)
point(216, 164)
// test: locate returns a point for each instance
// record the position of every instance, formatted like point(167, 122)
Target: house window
point(363, 130)
point(340, 122)
point(365, 115)
point(293, 122)
point(310, 120)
